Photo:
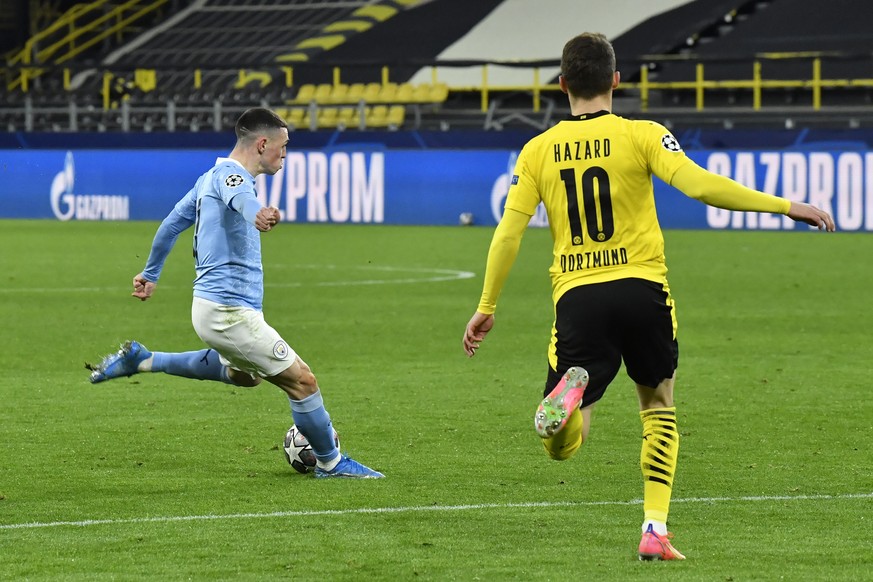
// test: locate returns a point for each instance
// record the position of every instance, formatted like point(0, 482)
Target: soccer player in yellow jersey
point(593, 173)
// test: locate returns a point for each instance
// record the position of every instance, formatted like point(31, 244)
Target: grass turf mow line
point(466, 507)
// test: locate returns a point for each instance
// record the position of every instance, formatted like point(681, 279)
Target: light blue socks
point(200, 365)
point(314, 422)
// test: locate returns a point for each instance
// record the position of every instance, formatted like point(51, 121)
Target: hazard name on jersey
point(581, 150)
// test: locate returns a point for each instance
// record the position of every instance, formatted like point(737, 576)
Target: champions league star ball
point(298, 451)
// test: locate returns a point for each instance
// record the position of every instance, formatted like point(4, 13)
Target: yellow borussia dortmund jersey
point(593, 174)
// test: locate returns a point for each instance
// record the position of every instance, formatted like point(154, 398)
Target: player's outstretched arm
point(722, 192)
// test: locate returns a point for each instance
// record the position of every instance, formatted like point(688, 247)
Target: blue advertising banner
point(364, 184)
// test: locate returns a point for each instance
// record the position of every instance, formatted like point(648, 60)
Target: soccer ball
point(298, 451)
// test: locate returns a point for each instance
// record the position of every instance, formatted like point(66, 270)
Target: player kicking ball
point(227, 311)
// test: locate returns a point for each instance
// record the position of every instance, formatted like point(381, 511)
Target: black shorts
point(598, 325)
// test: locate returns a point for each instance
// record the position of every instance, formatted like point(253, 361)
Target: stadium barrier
point(317, 96)
point(375, 185)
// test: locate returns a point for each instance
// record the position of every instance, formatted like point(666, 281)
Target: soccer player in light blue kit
point(227, 310)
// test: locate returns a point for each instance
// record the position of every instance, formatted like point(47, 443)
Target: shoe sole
point(658, 558)
point(361, 472)
point(347, 476)
point(555, 409)
point(100, 375)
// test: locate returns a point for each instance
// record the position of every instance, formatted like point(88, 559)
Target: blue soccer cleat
point(122, 363)
point(349, 469)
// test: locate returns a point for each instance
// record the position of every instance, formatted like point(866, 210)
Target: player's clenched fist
point(142, 288)
point(267, 218)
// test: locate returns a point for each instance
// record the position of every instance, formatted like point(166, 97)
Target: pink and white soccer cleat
point(657, 547)
point(555, 409)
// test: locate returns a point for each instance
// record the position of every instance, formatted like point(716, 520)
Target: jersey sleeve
point(722, 192)
point(501, 256)
point(660, 149)
point(230, 182)
point(180, 219)
point(523, 196)
point(237, 191)
point(186, 208)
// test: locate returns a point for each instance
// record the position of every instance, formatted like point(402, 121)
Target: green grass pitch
point(161, 478)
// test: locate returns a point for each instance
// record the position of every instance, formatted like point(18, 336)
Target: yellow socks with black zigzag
point(658, 460)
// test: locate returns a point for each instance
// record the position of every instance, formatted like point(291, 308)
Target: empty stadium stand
point(348, 64)
point(675, 30)
point(791, 40)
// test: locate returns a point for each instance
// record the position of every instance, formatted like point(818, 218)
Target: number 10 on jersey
point(596, 202)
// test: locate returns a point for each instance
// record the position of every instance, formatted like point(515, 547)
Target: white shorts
point(243, 339)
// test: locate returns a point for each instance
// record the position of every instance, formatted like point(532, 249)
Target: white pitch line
point(408, 509)
point(438, 275)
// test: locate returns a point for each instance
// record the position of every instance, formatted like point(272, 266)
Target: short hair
point(256, 120)
point(588, 65)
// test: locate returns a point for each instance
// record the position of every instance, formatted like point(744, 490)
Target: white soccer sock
point(145, 365)
point(659, 527)
point(329, 465)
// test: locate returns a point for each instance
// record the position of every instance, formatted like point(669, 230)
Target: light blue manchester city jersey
point(227, 248)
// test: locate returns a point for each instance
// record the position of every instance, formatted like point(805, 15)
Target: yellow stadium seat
point(322, 93)
point(427, 93)
point(305, 94)
point(371, 92)
point(421, 93)
point(387, 93)
point(346, 117)
point(356, 93)
point(293, 116)
point(396, 115)
point(377, 116)
point(405, 93)
point(439, 92)
point(327, 117)
point(338, 93)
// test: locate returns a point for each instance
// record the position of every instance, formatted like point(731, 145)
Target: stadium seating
point(671, 30)
point(305, 94)
point(371, 92)
point(355, 93)
point(323, 93)
point(406, 94)
point(374, 117)
point(340, 105)
point(339, 93)
point(203, 76)
point(387, 93)
point(783, 36)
